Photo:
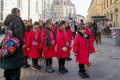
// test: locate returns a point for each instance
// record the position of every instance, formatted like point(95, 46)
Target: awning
point(98, 17)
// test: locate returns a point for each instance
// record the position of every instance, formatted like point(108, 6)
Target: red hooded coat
point(80, 47)
point(91, 40)
point(33, 42)
point(48, 52)
point(62, 41)
point(26, 52)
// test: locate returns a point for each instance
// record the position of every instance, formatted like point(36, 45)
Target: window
point(110, 2)
point(36, 6)
point(1, 9)
point(107, 3)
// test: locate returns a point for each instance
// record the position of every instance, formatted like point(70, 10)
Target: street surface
point(105, 65)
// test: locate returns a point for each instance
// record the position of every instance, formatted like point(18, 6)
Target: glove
point(64, 49)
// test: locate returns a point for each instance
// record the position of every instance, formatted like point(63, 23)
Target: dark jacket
point(95, 30)
point(17, 60)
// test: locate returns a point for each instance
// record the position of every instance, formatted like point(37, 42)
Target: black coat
point(95, 30)
point(17, 60)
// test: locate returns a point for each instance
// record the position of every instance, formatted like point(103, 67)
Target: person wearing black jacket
point(12, 65)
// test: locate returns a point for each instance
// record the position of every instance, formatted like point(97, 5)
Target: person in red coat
point(26, 52)
point(33, 45)
point(69, 32)
point(63, 46)
point(91, 40)
point(81, 50)
point(41, 24)
point(49, 43)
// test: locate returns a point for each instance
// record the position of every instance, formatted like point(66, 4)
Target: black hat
point(81, 27)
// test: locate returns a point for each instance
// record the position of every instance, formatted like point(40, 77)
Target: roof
point(69, 3)
point(98, 17)
point(80, 15)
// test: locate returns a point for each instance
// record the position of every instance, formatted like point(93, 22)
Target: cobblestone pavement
point(105, 66)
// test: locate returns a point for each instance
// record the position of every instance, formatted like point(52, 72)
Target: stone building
point(108, 8)
point(63, 9)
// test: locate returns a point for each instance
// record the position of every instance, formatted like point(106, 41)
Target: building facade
point(108, 8)
point(63, 10)
point(79, 17)
point(111, 9)
point(46, 9)
point(30, 9)
point(95, 8)
point(1, 10)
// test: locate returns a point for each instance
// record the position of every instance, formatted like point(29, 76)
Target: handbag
point(9, 44)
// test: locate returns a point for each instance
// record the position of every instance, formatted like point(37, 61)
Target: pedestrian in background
point(49, 42)
point(73, 27)
point(69, 32)
point(94, 27)
point(0, 31)
point(63, 46)
point(91, 39)
point(33, 45)
point(12, 65)
point(41, 24)
point(81, 50)
point(99, 32)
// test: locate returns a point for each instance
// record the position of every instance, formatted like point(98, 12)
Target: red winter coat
point(91, 40)
point(48, 52)
point(34, 47)
point(70, 36)
point(26, 52)
point(80, 47)
point(62, 40)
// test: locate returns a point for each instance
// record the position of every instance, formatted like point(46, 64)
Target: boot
point(62, 70)
point(86, 74)
point(65, 69)
point(82, 75)
point(49, 69)
point(52, 68)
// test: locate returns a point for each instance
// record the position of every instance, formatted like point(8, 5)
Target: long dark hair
point(61, 23)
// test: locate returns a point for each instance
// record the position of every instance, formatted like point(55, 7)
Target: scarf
point(85, 35)
point(48, 37)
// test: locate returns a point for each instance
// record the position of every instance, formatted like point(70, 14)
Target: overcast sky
point(82, 6)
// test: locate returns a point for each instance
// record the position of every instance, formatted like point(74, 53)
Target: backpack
point(9, 43)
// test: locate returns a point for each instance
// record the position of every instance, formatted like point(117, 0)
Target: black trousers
point(34, 62)
point(13, 74)
point(61, 62)
point(48, 61)
point(82, 68)
point(26, 62)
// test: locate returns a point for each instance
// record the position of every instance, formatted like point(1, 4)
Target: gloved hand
point(64, 49)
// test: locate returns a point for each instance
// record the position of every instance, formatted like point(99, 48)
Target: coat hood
point(10, 18)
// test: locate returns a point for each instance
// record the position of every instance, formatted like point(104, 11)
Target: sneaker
point(86, 74)
point(36, 67)
point(39, 67)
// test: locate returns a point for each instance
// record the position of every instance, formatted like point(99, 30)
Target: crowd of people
point(47, 40)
